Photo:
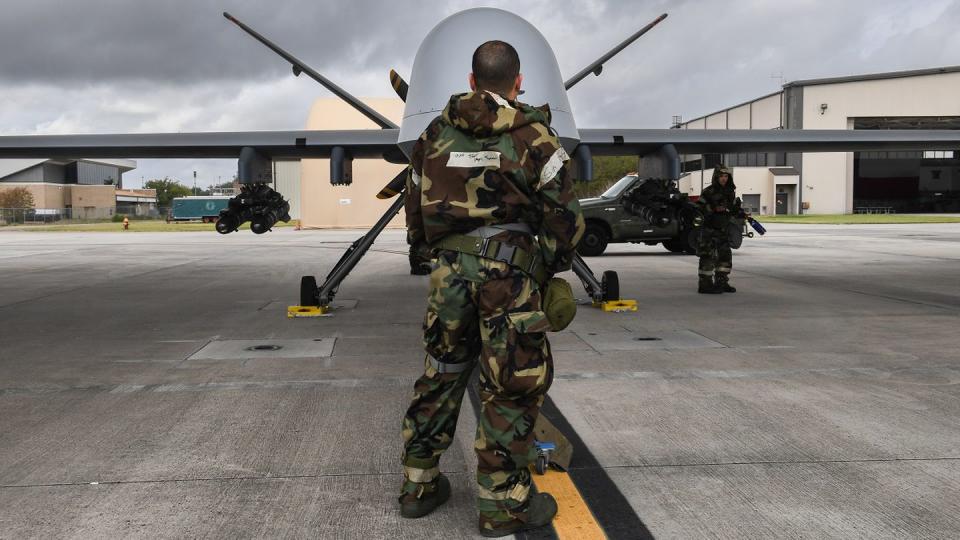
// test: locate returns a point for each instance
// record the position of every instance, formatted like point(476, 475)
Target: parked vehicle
point(205, 208)
point(643, 210)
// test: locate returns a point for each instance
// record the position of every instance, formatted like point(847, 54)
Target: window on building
point(938, 154)
point(755, 159)
point(711, 160)
point(689, 164)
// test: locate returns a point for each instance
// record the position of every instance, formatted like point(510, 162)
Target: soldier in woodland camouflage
point(489, 189)
point(719, 204)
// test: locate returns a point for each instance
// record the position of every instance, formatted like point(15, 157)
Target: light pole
point(194, 183)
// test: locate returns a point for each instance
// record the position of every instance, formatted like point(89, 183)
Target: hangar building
point(306, 183)
point(843, 183)
point(78, 188)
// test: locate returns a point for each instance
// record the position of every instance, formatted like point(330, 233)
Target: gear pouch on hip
point(559, 304)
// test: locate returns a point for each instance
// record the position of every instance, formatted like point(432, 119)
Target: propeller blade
point(399, 85)
point(300, 67)
point(597, 66)
point(399, 182)
point(394, 186)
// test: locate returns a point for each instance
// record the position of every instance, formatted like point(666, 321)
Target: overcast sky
point(113, 66)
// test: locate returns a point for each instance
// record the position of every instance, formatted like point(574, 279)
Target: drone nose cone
point(443, 61)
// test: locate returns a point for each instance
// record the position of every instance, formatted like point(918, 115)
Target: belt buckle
point(505, 253)
point(482, 245)
point(534, 263)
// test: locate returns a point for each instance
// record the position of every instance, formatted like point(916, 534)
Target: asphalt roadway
point(822, 400)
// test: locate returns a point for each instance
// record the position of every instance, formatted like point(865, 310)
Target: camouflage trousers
point(715, 254)
point(487, 313)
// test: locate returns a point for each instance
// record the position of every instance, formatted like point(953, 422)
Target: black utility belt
point(495, 250)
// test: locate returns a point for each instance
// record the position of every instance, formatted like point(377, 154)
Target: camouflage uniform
point(719, 205)
point(486, 161)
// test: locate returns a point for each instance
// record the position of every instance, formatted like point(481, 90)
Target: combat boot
point(540, 512)
point(419, 266)
point(706, 286)
point(428, 499)
point(723, 283)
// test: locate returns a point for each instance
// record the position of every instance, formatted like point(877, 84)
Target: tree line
point(169, 189)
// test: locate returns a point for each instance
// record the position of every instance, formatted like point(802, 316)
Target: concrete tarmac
point(822, 400)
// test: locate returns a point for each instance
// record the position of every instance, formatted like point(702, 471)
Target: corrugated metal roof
point(10, 166)
point(738, 105)
point(840, 80)
point(124, 164)
point(875, 76)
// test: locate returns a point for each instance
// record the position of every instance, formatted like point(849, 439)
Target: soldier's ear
point(473, 82)
point(517, 83)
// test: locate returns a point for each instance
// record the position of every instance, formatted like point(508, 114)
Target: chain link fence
point(39, 216)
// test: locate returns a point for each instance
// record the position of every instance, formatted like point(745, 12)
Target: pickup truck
point(644, 210)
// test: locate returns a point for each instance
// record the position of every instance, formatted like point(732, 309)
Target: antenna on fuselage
point(597, 66)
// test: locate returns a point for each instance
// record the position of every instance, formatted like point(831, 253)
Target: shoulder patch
point(487, 158)
point(553, 166)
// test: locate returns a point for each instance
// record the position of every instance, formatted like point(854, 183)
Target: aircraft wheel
point(611, 286)
point(308, 291)
point(594, 241)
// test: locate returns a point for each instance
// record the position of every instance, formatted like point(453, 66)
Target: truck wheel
point(594, 241)
point(674, 245)
point(735, 235)
point(693, 239)
point(308, 291)
point(611, 286)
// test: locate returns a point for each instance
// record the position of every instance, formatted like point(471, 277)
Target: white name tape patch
point(487, 158)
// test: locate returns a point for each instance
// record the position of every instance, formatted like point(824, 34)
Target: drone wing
point(360, 143)
point(727, 141)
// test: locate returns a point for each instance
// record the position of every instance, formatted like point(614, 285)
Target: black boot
point(542, 509)
point(723, 283)
point(419, 266)
point(418, 505)
point(707, 287)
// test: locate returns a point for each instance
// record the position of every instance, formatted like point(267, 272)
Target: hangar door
point(907, 182)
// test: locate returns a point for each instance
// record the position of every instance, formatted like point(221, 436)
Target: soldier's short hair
point(496, 65)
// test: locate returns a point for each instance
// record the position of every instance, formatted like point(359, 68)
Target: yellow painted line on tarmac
point(574, 519)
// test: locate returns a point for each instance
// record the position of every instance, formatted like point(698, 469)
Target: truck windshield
point(615, 190)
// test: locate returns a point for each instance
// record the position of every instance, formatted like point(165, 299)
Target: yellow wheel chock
point(617, 306)
point(296, 312)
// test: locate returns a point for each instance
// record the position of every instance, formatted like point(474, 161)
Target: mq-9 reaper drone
point(440, 70)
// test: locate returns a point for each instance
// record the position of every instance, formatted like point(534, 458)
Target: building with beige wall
point(317, 203)
point(81, 188)
point(841, 183)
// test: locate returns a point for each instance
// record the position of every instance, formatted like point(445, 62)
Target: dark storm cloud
point(89, 66)
point(182, 41)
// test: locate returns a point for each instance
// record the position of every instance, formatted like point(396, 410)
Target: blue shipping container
point(202, 208)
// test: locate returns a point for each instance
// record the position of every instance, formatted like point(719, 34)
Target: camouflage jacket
point(489, 161)
point(719, 203)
